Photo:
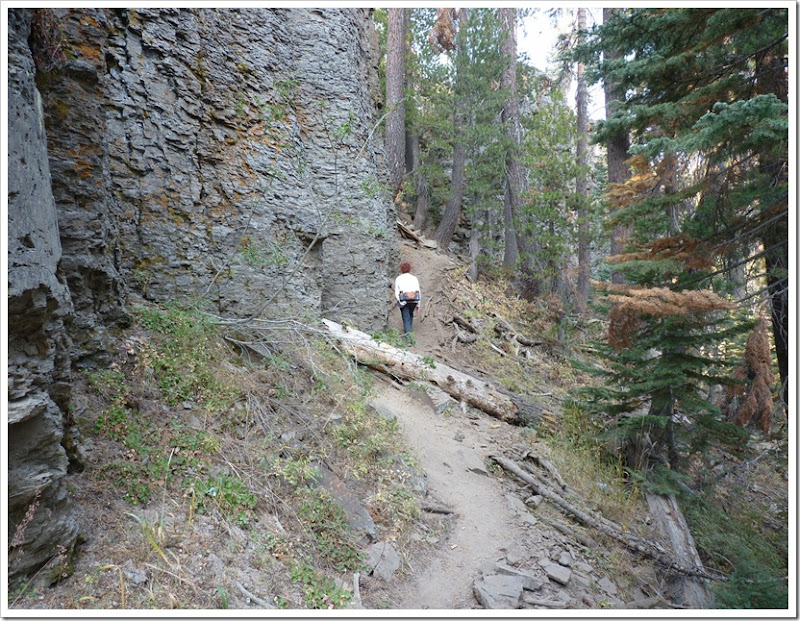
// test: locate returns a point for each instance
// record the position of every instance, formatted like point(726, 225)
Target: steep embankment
point(179, 153)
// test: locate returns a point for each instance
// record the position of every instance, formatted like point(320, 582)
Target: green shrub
point(319, 591)
point(727, 541)
point(327, 524)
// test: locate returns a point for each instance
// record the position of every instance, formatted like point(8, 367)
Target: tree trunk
point(395, 118)
point(452, 212)
point(582, 181)
point(687, 591)
point(775, 238)
point(617, 152)
point(405, 365)
point(474, 250)
point(515, 175)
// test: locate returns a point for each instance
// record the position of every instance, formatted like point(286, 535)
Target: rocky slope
point(229, 155)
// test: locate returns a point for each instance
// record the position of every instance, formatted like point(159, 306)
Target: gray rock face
point(228, 154)
point(225, 153)
point(42, 525)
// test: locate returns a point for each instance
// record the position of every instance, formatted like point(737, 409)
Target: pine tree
point(516, 181)
point(395, 80)
point(705, 105)
point(582, 181)
point(617, 145)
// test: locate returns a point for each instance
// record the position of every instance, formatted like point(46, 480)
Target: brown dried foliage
point(644, 179)
point(756, 399)
point(47, 41)
point(692, 252)
point(19, 532)
point(631, 303)
point(443, 33)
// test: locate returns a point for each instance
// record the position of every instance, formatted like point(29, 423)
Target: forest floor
point(230, 524)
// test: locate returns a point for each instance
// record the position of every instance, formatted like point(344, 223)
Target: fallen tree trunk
point(409, 366)
point(646, 548)
point(688, 591)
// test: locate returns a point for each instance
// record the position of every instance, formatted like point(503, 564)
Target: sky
point(537, 36)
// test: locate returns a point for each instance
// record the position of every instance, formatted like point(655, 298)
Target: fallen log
point(546, 465)
point(585, 541)
point(407, 231)
point(406, 365)
point(648, 549)
point(689, 591)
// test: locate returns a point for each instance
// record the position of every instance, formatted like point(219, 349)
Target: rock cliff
point(43, 527)
point(231, 155)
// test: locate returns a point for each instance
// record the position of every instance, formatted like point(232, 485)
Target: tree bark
point(452, 211)
point(582, 181)
point(405, 365)
point(775, 238)
point(616, 152)
point(672, 527)
point(395, 118)
point(515, 175)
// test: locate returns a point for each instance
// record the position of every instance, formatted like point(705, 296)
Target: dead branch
point(585, 541)
point(431, 508)
point(409, 233)
point(546, 465)
point(253, 598)
point(465, 323)
point(463, 337)
point(646, 548)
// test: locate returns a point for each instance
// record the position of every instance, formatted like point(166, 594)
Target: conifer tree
point(705, 104)
point(395, 80)
point(703, 130)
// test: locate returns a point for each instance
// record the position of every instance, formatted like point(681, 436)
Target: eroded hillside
point(255, 465)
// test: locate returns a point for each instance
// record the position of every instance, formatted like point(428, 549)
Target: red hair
point(405, 268)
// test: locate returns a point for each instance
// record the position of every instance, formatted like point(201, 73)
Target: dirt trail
point(452, 450)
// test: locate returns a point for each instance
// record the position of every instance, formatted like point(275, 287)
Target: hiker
point(407, 293)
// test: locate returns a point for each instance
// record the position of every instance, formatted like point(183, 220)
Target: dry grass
point(185, 499)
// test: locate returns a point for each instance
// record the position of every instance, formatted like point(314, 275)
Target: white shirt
point(406, 282)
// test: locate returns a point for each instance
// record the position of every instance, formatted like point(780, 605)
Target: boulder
point(358, 518)
point(383, 561)
point(529, 583)
point(497, 591)
point(557, 573)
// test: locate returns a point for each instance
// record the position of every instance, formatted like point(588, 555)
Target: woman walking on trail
point(407, 294)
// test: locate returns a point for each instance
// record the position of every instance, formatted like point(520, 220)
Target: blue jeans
point(407, 312)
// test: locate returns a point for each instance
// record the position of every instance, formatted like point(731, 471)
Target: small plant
point(429, 362)
point(319, 591)
point(223, 597)
point(326, 521)
point(346, 129)
point(229, 494)
point(295, 471)
point(180, 358)
point(392, 337)
point(108, 383)
point(372, 188)
point(258, 257)
point(131, 479)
